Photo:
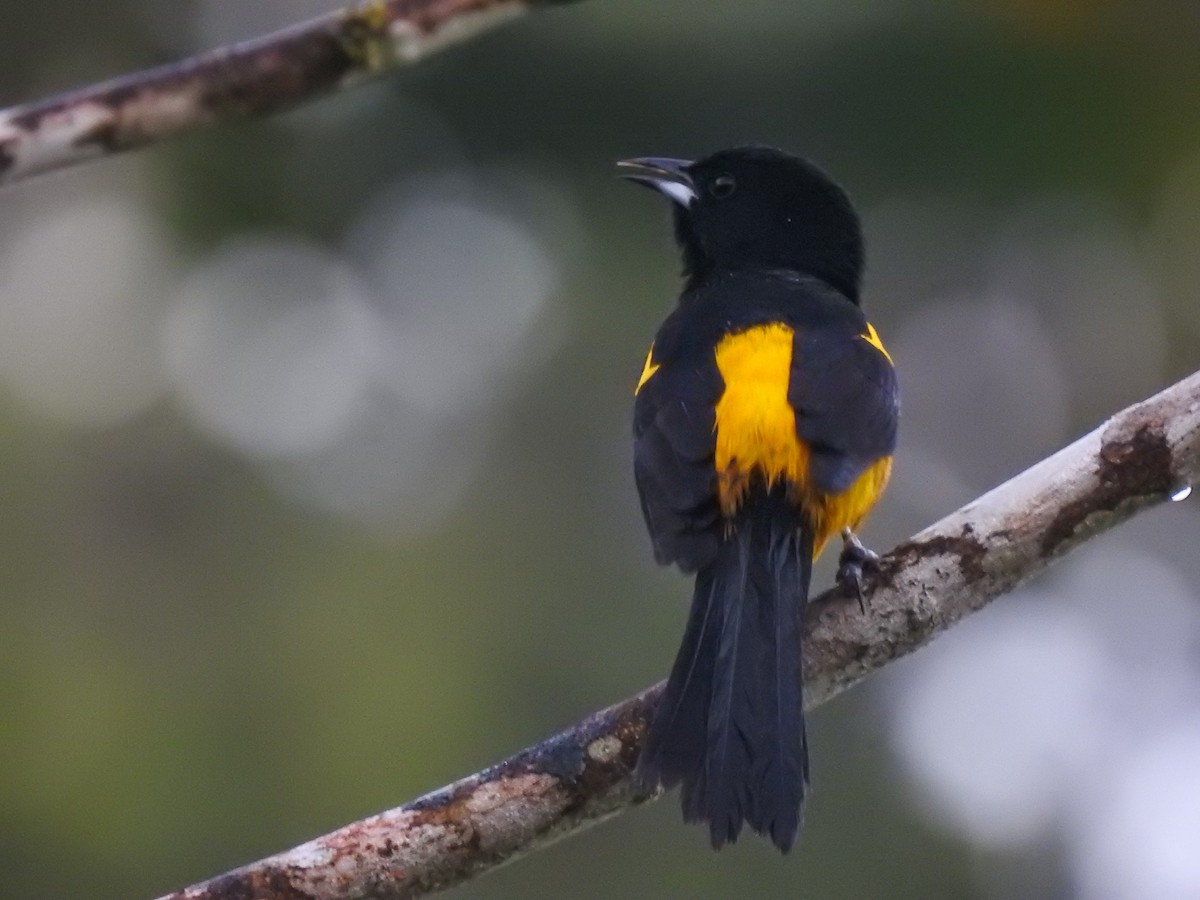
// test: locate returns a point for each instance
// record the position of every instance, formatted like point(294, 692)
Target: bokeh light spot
point(271, 345)
point(80, 293)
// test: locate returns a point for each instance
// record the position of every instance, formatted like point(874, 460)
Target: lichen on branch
point(242, 81)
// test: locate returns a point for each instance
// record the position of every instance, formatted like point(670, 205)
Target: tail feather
point(670, 754)
point(734, 714)
point(731, 727)
point(780, 774)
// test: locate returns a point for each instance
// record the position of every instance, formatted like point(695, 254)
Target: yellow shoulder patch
point(648, 370)
point(872, 338)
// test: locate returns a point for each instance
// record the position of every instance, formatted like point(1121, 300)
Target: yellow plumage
point(756, 435)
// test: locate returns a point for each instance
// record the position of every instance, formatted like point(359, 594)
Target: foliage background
point(314, 460)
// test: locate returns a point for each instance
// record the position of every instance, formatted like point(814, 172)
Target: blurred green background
point(314, 463)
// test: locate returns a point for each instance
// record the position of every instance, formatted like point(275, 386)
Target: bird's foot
point(854, 562)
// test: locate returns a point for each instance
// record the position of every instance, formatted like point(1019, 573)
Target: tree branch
point(243, 81)
point(1139, 458)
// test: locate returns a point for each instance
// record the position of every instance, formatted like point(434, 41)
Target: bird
point(765, 421)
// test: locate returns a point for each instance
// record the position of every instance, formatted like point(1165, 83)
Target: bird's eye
point(722, 186)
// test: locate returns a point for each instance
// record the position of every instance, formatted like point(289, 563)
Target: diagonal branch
point(243, 81)
point(1140, 457)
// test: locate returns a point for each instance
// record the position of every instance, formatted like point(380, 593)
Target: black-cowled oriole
point(764, 424)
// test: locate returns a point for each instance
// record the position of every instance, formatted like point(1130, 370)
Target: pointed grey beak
point(668, 176)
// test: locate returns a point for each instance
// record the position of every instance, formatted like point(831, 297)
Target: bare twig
point(1140, 457)
point(243, 81)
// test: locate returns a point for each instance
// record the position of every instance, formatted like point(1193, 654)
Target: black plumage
point(772, 252)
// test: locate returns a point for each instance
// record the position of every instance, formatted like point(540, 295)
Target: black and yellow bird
point(764, 425)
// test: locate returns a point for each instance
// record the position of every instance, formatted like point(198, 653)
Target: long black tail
point(730, 728)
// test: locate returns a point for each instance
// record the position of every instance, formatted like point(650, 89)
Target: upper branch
point(1138, 458)
point(242, 81)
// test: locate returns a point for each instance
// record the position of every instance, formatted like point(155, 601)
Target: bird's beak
point(669, 176)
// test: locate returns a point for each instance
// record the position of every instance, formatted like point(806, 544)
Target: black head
point(758, 207)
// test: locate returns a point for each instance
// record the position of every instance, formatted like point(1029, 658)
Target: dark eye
point(722, 186)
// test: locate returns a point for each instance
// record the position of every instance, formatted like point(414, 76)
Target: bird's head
point(755, 207)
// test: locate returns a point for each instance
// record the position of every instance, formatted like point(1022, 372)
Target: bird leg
point(854, 561)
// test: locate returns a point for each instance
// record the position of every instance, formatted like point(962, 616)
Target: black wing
point(674, 447)
point(847, 403)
